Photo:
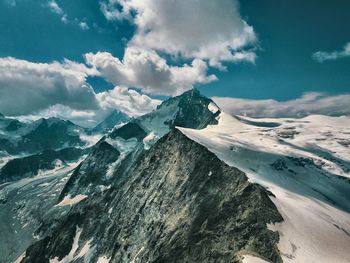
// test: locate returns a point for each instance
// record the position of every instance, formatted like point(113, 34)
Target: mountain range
point(184, 183)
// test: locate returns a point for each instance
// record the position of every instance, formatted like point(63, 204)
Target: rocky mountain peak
point(178, 203)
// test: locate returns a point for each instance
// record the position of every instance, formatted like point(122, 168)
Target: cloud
point(26, 87)
point(146, 70)
point(55, 8)
point(83, 25)
point(192, 29)
point(61, 90)
point(175, 43)
point(128, 101)
point(321, 56)
point(309, 103)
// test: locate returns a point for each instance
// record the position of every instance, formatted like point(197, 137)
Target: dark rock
point(92, 171)
point(178, 203)
point(128, 131)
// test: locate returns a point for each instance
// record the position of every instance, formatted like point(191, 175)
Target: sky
point(80, 59)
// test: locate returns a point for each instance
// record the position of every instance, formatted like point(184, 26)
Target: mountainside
point(115, 118)
point(178, 203)
point(18, 137)
point(190, 109)
point(189, 183)
point(305, 163)
point(30, 166)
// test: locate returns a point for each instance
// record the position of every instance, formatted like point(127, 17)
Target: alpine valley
point(186, 182)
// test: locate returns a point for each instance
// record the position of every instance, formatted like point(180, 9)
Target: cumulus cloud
point(61, 90)
point(146, 70)
point(55, 8)
point(128, 101)
point(321, 56)
point(26, 87)
point(192, 29)
point(83, 25)
point(175, 43)
point(309, 103)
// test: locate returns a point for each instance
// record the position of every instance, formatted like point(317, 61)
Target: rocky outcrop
point(177, 203)
point(29, 166)
point(128, 131)
point(115, 118)
point(92, 172)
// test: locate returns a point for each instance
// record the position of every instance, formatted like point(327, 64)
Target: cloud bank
point(192, 35)
point(61, 90)
point(321, 56)
point(309, 103)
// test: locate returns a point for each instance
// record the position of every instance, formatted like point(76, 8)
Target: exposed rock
point(29, 166)
point(177, 203)
point(92, 172)
point(116, 117)
point(129, 130)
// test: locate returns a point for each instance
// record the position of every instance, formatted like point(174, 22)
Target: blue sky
point(279, 61)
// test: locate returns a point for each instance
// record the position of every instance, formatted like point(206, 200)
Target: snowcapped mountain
point(24, 138)
point(189, 183)
point(305, 163)
point(115, 118)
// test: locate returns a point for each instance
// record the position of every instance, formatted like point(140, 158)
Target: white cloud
point(146, 70)
point(193, 29)
point(55, 8)
point(83, 25)
point(60, 90)
point(321, 56)
point(202, 33)
point(129, 101)
point(26, 87)
point(52, 4)
point(309, 103)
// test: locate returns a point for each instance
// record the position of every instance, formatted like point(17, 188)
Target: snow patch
point(103, 260)
point(71, 201)
point(252, 259)
point(70, 257)
point(20, 258)
point(213, 108)
point(311, 193)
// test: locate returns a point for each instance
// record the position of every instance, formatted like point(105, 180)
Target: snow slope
point(305, 163)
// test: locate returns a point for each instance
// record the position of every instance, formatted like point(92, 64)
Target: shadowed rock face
point(177, 203)
point(29, 166)
point(116, 117)
point(128, 131)
point(193, 111)
point(92, 171)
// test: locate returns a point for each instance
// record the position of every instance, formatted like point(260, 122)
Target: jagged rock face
point(194, 112)
point(128, 131)
point(189, 110)
point(115, 118)
point(17, 137)
point(92, 172)
point(178, 203)
point(29, 166)
point(14, 125)
point(51, 136)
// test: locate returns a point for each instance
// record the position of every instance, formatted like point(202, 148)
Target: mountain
point(190, 183)
point(178, 203)
point(30, 166)
point(305, 163)
point(18, 137)
point(190, 109)
point(115, 118)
